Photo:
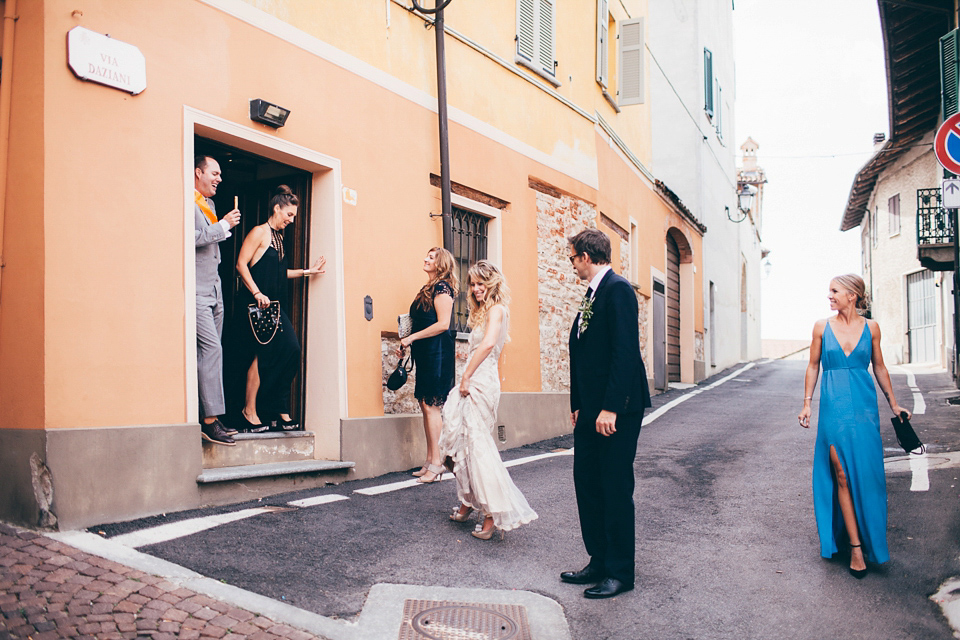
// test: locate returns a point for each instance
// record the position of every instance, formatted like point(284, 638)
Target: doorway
point(922, 316)
point(250, 180)
point(673, 310)
point(659, 337)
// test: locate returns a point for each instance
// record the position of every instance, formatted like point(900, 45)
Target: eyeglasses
point(572, 258)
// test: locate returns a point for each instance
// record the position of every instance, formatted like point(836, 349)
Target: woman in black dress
point(263, 268)
point(432, 346)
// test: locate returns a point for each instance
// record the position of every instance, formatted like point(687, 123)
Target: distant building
point(906, 236)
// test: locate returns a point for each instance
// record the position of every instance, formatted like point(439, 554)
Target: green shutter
point(949, 45)
point(708, 82)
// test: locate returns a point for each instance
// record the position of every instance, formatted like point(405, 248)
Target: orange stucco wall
point(93, 290)
point(22, 297)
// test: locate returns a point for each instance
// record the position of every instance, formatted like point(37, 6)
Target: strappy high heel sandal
point(459, 515)
point(437, 472)
point(857, 573)
point(485, 534)
point(421, 471)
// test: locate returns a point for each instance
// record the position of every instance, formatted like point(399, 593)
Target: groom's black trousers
point(604, 481)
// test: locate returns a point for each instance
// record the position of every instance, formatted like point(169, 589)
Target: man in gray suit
point(209, 232)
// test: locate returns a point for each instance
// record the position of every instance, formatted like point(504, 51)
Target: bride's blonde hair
point(487, 274)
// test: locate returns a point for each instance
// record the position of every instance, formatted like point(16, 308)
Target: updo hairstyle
point(855, 285)
point(282, 197)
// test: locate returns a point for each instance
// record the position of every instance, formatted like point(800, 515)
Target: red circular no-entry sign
point(946, 145)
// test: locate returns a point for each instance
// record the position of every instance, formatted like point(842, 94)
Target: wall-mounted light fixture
point(268, 113)
point(745, 195)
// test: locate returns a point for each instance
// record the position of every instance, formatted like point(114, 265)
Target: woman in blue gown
point(849, 486)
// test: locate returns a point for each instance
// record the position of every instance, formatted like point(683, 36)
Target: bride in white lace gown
point(470, 413)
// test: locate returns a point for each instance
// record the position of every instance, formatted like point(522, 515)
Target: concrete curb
point(382, 612)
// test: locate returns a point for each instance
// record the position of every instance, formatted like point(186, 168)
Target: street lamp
point(745, 195)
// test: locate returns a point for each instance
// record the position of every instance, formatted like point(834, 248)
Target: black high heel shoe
point(857, 573)
point(288, 425)
point(251, 427)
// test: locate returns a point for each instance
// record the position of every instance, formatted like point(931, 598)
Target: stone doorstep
point(260, 448)
point(227, 474)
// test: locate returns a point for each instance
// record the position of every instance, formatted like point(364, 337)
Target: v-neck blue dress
point(850, 422)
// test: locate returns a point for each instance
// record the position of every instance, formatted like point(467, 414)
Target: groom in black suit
point(608, 393)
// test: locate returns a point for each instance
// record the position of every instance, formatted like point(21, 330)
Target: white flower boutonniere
point(586, 312)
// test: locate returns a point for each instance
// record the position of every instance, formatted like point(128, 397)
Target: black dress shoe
point(214, 433)
point(587, 575)
point(607, 589)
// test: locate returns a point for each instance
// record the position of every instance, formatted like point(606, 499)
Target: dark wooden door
point(250, 181)
point(673, 310)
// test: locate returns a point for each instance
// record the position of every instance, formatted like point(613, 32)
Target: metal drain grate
point(442, 620)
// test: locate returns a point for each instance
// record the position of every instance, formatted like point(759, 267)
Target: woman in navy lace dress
point(432, 346)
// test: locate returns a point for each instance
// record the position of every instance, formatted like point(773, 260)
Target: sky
point(811, 90)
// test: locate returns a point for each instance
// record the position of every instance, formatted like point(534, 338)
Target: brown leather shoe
point(215, 433)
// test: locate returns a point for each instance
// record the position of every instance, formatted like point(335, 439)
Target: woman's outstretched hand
point(262, 301)
point(804, 418)
point(316, 268)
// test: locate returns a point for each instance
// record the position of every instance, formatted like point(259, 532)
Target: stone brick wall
point(559, 216)
point(402, 400)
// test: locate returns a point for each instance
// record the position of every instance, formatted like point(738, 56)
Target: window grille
point(469, 246)
point(934, 223)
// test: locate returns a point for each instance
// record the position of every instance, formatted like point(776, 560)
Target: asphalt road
point(726, 540)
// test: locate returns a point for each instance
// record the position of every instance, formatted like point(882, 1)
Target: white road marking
point(919, 405)
point(939, 460)
point(670, 405)
point(315, 500)
point(174, 530)
point(918, 467)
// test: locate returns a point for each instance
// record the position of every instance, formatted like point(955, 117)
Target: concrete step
point(227, 474)
point(260, 448)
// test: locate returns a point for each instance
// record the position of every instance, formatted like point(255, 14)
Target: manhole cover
point(438, 620)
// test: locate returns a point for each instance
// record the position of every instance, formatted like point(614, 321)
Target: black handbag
point(399, 376)
point(264, 322)
point(906, 436)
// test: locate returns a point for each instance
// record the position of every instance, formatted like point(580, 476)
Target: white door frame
point(323, 342)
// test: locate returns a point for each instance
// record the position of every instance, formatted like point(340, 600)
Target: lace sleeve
point(442, 287)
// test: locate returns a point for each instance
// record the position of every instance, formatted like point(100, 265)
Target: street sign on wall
point(946, 145)
point(98, 58)
point(950, 193)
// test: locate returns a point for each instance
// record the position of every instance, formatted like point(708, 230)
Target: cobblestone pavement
point(50, 590)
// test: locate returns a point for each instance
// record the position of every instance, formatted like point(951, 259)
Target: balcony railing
point(934, 223)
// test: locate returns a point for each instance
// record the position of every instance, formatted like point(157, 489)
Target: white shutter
point(602, 48)
point(631, 62)
point(546, 35)
point(719, 111)
point(526, 28)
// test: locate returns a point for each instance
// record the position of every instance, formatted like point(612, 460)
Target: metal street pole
point(447, 218)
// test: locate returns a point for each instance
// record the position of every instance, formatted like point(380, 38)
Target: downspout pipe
point(6, 93)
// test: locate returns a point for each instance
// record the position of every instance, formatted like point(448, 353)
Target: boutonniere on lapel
point(586, 312)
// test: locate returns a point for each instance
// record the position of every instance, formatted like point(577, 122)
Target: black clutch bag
point(264, 322)
point(399, 377)
point(906, 436)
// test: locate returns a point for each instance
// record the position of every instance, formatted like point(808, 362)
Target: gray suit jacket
point(207, 237)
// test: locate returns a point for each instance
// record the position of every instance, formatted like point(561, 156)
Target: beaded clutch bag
point(264, 322)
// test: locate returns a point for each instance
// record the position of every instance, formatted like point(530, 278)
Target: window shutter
point(602, 43)
point(708, 82)
point(546, 36)
point(526, 28)
point(949, 61)
point(631, 62)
